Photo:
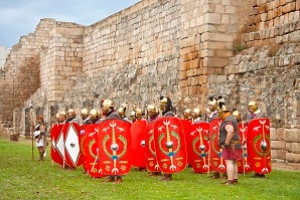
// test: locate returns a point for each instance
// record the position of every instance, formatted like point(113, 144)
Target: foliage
point(239, 47)
point(24, 178)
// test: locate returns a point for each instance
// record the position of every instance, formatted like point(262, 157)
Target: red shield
point(198, 146)
point(151, 161)
point(186, 125)
point(82, 137)
point(72, 146)
point(170, 145)
point(115, 146)
point(243, 164)
point(258, 144)
point(216, 161)
point(92, 153)
point(55, 155)
point(138, 136)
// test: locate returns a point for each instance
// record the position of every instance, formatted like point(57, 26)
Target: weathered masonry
point(186, 49)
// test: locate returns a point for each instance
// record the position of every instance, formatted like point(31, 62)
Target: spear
point(31, 127)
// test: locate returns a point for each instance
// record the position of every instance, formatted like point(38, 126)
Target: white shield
point(72, 145)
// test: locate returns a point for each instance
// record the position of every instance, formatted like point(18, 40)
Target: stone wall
point(134, 54)
point(268, 72)
point(3, 55)
point(186, 49)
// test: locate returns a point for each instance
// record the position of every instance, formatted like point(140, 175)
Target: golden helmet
point(57, 115)
point(253, 105)
point(71, 112)
point(107, 104)
point(94, 113)
point(139, 113)
point(207, 111)
point(132, 114)
point(237, 115)
point(223, 108)
point(84, 112)
point(151, 108)
point(121, 111)
point(212, 103)
point(163, 101)
point(196, 112)
point(62, 113)
point(187, 111)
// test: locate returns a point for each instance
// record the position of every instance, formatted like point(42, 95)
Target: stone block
point(230, 9)
point(182, 75)
point(278, 145)
point(212, 18)
point(292, 135)
point(215, 62)
point(298, 5)
point(193, 90)
point(184, 66)
point(253, 11)
point(273, 134)
point(292, 157)
point(280, 132)
point(194, 63)
point(182, 83)
point(282, 2)
point(224, 53)
point(295, 148)
point(207, 53)
point(289, 7)
point(194, 81)
point(217, 37)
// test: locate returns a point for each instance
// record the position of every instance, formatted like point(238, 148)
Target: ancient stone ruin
point(189, 50)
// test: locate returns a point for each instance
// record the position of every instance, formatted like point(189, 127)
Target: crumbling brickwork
point(186, 49)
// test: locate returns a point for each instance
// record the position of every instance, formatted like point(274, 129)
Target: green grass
point(23, 178)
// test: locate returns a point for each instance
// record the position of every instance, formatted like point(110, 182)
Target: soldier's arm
point(42, 131)
point(230, 133)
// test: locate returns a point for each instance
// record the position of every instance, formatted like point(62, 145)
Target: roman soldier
point(109, 111)
point(212, 106)
point(214, 121)
point(187, 114)
point(229, 141)
point(139, 113)
point(62, 117)
point(71, 119)
point(152, 112)
point(196, 115)
point(94, 115)
point(237, 115)
point(166, 108)
point(85, 121)
point(122, 112)
point(39, 134)
point(207, 114)
point(132, 116)
point(85, 116)
point(254, 113)
point(72, 116)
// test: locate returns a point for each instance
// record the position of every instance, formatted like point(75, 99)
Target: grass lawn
point(24, 178)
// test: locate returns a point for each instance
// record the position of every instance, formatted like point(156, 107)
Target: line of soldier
point(216, 110)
